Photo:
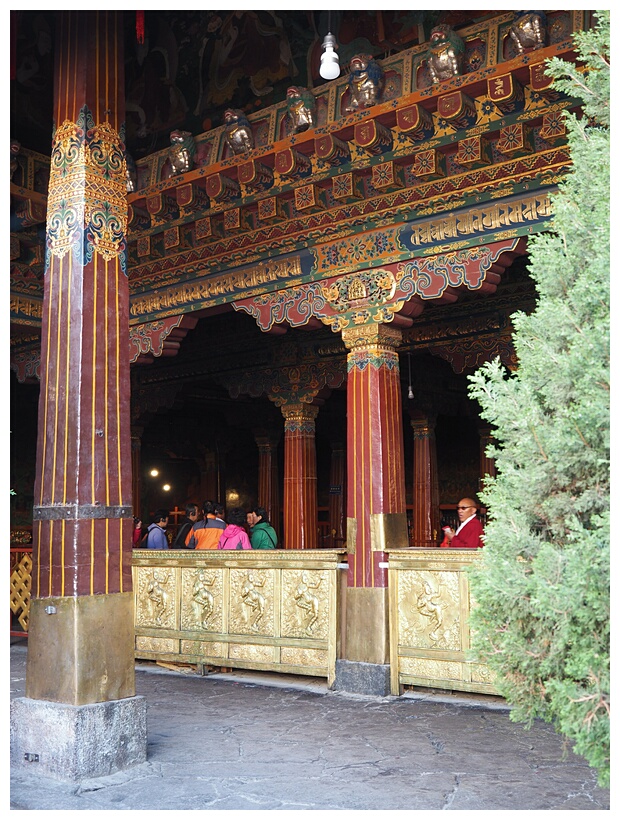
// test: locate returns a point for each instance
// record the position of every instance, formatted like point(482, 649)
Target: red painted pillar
point(376, 512)
point(425, 530)
point(337, 489)
point(82, 592)
point(268, 484)
point(300, 498)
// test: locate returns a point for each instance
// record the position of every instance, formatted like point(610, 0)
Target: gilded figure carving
point(181, 152)
point(301, 109)
point(429, 610)
point(366, 83)
point(528, 30)
point(238, 131)
point(445, 54)
point(202, 596)
point(253, 600)
point(307, 601)
point(429, 605)
point(157, 595)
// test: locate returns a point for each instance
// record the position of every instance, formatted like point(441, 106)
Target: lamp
point(330, 67)
point(410, 393)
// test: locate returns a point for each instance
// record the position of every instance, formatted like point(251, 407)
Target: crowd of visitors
point(251, 529)
point(239, 529)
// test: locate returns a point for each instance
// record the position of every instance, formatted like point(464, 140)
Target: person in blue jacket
point(156, 533)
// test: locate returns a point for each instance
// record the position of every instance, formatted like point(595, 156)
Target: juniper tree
point(541, 588)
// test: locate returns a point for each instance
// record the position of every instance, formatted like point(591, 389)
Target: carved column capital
point(299, 414)
point(423, 426)
point(380, 336)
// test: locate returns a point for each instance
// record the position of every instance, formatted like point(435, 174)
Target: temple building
point(250, 284)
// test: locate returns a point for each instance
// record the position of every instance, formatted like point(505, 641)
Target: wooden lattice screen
point(21, 577)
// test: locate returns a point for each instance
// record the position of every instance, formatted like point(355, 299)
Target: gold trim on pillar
point(364, 336)
point(81, 650)
point(388, 530)
point(367, 638)
point(351, 535)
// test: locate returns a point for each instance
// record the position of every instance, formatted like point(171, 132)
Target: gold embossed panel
point(430, 639)
point(251, 601)
point(156, 597)
point(252, 652)
point(433, 670)
point(428, 604)
point(204, 649)
point(202, 599)
point(297, 656)
point(167, 645)
point(305, 604)
point(271, 610)
point(480, 673)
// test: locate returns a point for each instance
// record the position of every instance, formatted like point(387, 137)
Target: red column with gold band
point(300, 489)
point(83, 494)
point(376, 512)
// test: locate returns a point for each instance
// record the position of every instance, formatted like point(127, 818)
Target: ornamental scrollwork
point(87, 205)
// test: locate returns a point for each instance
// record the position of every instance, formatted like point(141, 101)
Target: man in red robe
point(469, 531)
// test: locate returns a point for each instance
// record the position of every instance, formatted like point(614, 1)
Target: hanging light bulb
point(410, 393)
point(330, 67)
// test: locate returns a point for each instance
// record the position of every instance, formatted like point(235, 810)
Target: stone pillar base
point(77, 742)
point(362, 678)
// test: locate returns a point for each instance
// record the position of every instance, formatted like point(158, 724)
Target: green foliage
point(542, 611)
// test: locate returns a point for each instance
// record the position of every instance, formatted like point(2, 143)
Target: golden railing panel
point(276, 611)
point(430, 604)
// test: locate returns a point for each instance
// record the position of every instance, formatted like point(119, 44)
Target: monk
point(469, 532)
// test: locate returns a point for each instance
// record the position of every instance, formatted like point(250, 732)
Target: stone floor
point(267, 742)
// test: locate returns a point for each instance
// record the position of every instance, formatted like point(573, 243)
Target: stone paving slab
point(258, 742)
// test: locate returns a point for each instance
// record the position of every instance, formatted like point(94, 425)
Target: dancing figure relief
point(428, 604)
point(203, 597)
point(157, 595)
point(308, 602)
point(253, 599)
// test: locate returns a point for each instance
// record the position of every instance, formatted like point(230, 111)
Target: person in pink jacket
point(234, 537)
